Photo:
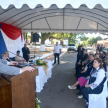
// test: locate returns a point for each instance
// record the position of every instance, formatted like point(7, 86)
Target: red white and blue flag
point(11, 39)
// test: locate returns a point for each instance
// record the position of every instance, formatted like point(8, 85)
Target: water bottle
point(34, 61)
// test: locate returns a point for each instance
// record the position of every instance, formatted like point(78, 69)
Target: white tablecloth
point(42, 78)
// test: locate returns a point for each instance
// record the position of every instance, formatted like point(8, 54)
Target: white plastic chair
point(99, 100)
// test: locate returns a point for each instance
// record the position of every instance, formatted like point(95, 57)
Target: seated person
point(18, 58)
point(84, 74)
point(97, 55)
point(103, 56)
point(84, 71)
point(95, 82)
point(85, 57)
point(91, 52)
point(7, 54)
point(97, 52)
point(81, 82)
point(4, 56)
point(106, 61)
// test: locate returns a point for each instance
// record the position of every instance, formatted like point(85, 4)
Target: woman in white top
point(96, 82)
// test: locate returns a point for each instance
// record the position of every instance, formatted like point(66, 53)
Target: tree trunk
point(26, 37)
point(31, 39)
point(42, 41)
point(42, 46)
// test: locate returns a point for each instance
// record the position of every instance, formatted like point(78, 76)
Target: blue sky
point(59, 3)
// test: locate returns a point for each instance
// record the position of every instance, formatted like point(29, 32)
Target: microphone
point(11, 52)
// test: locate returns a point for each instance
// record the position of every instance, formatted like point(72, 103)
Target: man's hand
point(82, 64)
point(87, 86)
point(79, 63)
point(27, 68)
point(88, 77)
point(82, 71)
point(13, 63)
point(85, 68)
point(82, 67)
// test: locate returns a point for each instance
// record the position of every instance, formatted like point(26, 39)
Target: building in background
point(103, 42)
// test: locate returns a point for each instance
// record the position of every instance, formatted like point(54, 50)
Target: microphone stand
point(35, 51)
point(15, 54)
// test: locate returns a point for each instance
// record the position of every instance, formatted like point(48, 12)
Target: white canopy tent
point(54, 19)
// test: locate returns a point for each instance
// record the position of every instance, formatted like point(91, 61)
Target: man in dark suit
point(9, 69)
point(26, 52)
point(85, 57)
point(7, 54)
point(87, 68)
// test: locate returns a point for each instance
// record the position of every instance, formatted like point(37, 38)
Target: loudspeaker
point(35, 37)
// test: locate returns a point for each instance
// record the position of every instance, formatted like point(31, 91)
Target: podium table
point(5, 94)
point(21, 89)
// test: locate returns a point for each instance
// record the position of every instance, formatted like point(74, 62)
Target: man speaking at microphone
point(9, 69)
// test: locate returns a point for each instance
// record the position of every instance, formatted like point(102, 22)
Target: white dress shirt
point(100, 75)
point(56, 49)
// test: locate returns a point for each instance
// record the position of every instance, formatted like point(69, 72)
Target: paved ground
point(41, 53)
point(55, 93)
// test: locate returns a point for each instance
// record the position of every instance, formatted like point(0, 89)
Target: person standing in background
point(60, 48)
point(26, 52)
point(57, 51)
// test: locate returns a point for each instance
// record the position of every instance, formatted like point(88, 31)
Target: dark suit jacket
point(84, 57)
point(25, 51)
point(9, 70)
point(90, 67)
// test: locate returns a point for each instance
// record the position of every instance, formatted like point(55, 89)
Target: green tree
point(93, 40)
point(84, 38)
point(85, 43)
point(72, 38)
point(25, 36)
point(59, 36)
point(45, 36)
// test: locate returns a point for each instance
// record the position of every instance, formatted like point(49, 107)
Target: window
point(71, 45)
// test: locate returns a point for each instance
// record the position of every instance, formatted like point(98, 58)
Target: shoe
point(71, 87)
point(79, 93)
point(80, 97)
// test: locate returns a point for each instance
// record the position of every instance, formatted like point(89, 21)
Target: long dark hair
point(99, 61)
point(80, 49)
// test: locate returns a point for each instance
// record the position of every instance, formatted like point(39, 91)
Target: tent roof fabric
point(54, 19)
point(47, 3)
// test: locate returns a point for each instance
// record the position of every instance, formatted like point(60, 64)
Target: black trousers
point(86, 91)
point(56, 55)
point(26, 57)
